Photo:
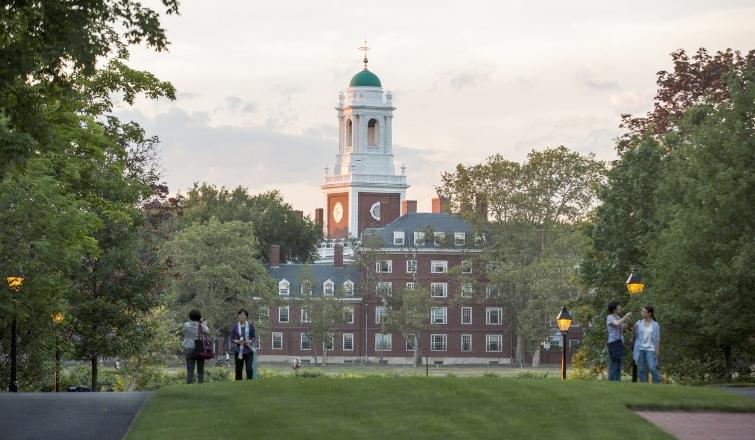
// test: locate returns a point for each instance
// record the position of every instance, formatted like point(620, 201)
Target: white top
point(191, 333)
point(645, 334)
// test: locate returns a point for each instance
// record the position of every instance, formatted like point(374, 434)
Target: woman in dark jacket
point(191, 334)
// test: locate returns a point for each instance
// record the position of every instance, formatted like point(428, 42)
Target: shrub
point(267, 372)
point(216, 374)
point(489, 374)
point(309, 373)
point(532, 375)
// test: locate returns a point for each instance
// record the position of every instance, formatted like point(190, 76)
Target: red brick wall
point(390, 209)
point(338, 229)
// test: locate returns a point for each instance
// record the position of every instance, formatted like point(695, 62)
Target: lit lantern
point(15, 282)
point(635, 285)
point(563, 321)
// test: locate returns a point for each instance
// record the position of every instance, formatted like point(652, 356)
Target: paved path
point(68, 416)
point(703, 425)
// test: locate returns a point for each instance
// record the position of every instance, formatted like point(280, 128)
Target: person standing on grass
point(191, 334)
point(616, 325)
point(647, 344)
point(243, 336)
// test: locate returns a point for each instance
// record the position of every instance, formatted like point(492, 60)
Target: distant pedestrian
point(647, 345)
point(191, 334)
point(616, 324)
point(243, 338)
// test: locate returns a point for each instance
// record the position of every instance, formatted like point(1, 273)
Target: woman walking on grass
point(647, 344)
point(191, 334)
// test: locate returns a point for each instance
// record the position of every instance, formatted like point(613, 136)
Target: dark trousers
point(246, 359)
point(190, 362)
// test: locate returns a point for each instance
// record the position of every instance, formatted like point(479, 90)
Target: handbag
point(202, 346)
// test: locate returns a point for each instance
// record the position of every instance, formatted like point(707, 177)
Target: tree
point(273, 220)
point(45, 50)
point(216, 268)
point(527, 210)
point(409, 313)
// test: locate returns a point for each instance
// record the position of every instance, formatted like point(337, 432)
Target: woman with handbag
point(194, 329)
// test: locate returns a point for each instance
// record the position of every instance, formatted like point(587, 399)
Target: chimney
point(408, 207)
point(299, 214)
point(440, 204)
point(338, 255)
point(319, 214)
point(275, 255)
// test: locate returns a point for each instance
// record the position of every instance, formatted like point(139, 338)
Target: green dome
point(365, 78)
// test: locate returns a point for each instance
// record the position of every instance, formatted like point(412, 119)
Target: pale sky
point(258, 81)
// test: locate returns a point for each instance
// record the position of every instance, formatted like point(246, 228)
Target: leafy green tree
point(409, 313)
point(273, 220)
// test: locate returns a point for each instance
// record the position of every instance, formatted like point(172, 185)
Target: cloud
point(630, 101)
point(468, 79)
point(587, 79)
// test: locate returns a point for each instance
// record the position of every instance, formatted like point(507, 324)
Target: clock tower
point(364, 190)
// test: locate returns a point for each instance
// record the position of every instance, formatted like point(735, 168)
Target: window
point(493, 342)
point(383, 342)
point(411, 266)
point(419, 238)
point(460, 239)
point(466, 343)
point(411, 342)
point(283, 286)
point(480, 239)
point(384, 288)
point(348, 316)
point(438, 342)
point(574, 343)
point(466, 266)
point(492, 291)
point(305, 314)
point(411, 285)
point(277, 341)
point(263, 314)
point(328, 342)
point(384, 266)
point(380, 312)
point(349, 133)
point(493, 315)
point(439, 290)
point(348, 288)
point(439, 315)
point(306, 287)
point(466, 315)
point(398, 238)
point(439, 237)
point(306, 341)
point(328, 288)
point(348, 341)
point(283, 314)
point(466, 290)
point(373, 133)
point(439, 266)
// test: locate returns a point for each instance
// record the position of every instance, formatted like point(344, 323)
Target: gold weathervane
point(364, 49)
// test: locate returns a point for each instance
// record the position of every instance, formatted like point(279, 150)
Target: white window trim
point(332, 338)
point(468, 294)
point(470, 315)
point(460, 236)
point(500, 343)
point(288, 314)
point(379, 266)
point(445, 290)
point(398, 238)
point(419, 238)
point(411, 285)
point(438, 238)
point(387, 285)
point(406, 342)
point(442, 263)
point(272, 340)
point(351, 311)
point(343, 342)
point(432, 345)
point(471, 343)
point(348, 292)
point(301, 342)
point(469, 264)
point(408, 270)
point(325, 285)
point(379, 315)
point(382, 342)
point(487, 315)
point(305, 283)
point(281, 284)
point(301, 315)
point(445, 315)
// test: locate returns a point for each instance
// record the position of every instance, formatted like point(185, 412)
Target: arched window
point(348, 288)
point(328, 288)
point(283, 286)
point(349, 133)
point(373, 133)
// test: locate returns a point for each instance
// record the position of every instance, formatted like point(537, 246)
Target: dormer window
point(398, 238)
point(328, 288)
point(460, 239)
point(419, 238)
point(283, 287)
point(348, 288)
point(439, 238)
point(306, 288)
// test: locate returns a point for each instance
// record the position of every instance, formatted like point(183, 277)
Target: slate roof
point(319, 274)
point(419, 222)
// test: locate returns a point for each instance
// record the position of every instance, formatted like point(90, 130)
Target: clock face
point(338, 212)
point(375, 211)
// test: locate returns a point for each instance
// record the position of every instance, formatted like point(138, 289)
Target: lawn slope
point(416, 408)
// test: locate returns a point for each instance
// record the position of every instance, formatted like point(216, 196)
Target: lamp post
point(57, 318)
point(635, 286)
point(14, 284)
point(563, 321)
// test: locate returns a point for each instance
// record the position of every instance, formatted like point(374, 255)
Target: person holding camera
point(243, 337)
point(616, 324)
point(191, 334)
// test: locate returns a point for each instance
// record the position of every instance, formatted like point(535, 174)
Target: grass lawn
point(417, 408)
